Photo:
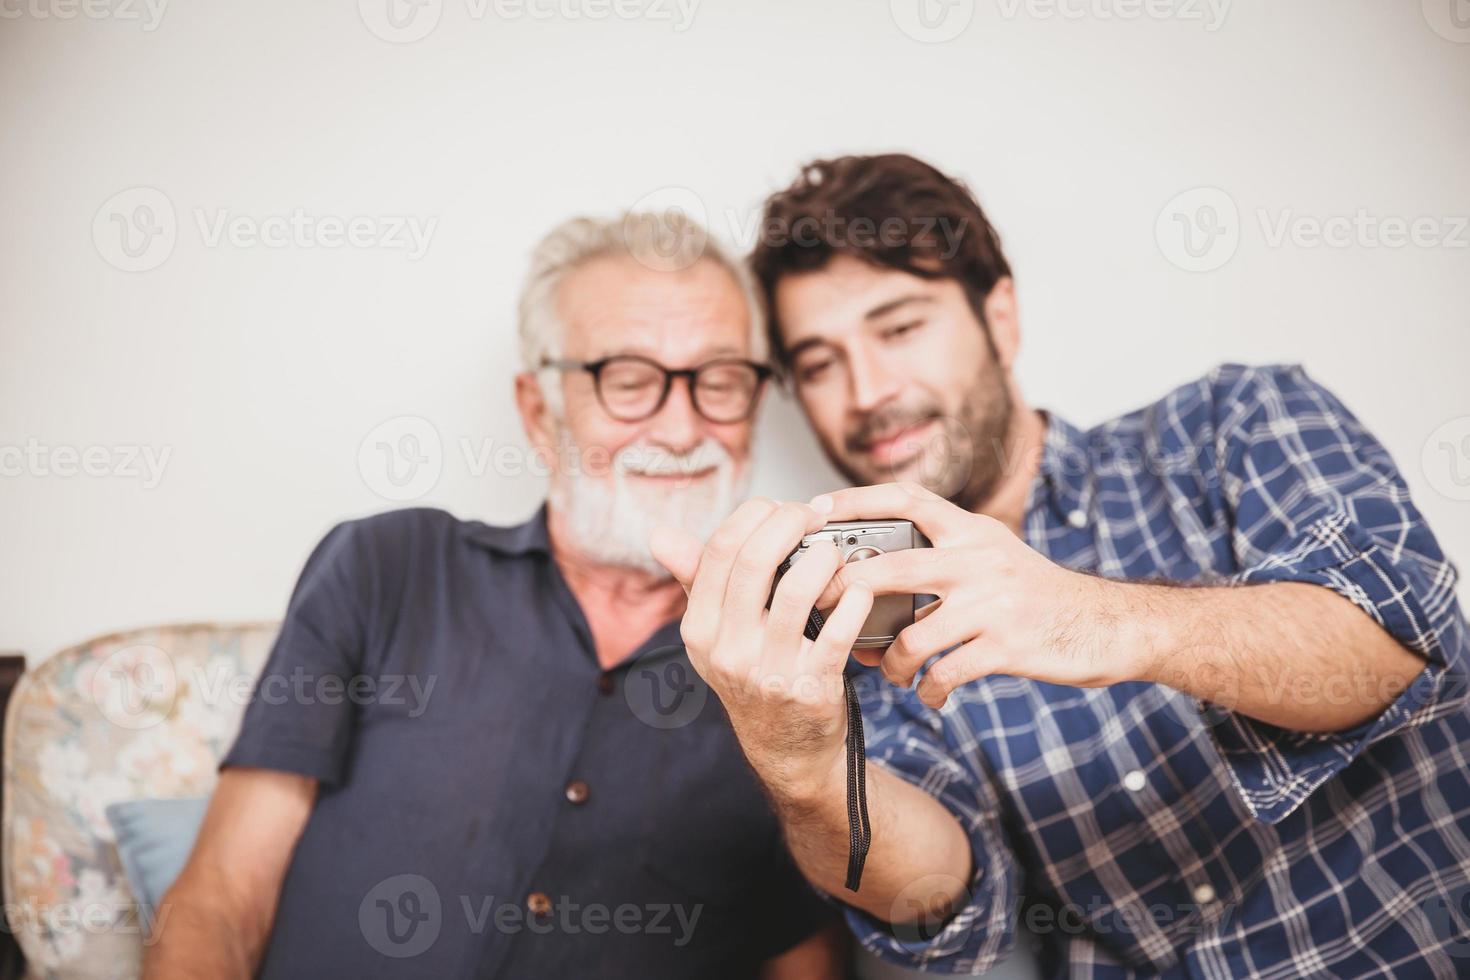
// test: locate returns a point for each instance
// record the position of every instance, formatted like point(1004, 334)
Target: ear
point(536, 416)
point(1005, 325)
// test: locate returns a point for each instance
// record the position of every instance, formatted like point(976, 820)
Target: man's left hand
point(1003, 606)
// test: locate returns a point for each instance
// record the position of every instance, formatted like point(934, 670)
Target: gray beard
point(611, 516)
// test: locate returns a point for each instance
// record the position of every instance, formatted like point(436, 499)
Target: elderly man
point(566, 801)
point(1261, 774)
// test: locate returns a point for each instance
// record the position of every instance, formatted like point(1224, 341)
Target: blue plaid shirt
point(1138, 831)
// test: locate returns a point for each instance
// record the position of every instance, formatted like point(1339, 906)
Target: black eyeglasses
point(631, 388)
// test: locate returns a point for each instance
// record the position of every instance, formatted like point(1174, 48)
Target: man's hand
point(784, 696)
point(783, 692)
point(1008, 609)
point(1292, 654)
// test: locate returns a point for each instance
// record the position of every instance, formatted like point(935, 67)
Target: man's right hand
point(785, 699)
point(783, 692)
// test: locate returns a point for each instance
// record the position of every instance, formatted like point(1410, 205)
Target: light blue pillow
point(154, 838)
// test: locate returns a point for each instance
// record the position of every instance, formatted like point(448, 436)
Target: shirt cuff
point(976, 936)
point(303, 760)
point(1275, 770)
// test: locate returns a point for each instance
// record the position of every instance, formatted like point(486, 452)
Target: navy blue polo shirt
point(492, 803)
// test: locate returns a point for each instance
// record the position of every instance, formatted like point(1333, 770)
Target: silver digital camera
point(856, 541)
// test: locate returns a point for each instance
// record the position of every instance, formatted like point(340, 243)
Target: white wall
point(261, 370)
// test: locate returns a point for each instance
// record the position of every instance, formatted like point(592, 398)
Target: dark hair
point(890, 210)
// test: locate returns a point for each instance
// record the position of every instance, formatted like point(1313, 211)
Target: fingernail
point(821, 503)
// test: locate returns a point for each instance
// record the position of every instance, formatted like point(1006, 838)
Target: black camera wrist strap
point(858, 831)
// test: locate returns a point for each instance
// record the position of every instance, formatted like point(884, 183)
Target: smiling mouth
point(678, 474)
point(888, 449)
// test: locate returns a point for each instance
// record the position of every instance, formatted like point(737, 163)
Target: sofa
point(146, 713)
point(142, 714)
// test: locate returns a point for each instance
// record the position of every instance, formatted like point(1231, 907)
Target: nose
point(872, 382)
point(676, 425)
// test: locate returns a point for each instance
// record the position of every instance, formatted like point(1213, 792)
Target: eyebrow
point(892, 305)
point(802, 346)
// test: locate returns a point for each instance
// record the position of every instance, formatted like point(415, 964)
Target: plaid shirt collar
point(1061, 481)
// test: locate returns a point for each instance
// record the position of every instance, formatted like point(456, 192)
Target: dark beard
point(986, 415)
point(969, 470)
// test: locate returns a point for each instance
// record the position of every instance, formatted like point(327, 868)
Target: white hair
point(662, 240)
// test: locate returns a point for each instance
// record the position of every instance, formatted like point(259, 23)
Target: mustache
point(885, 421)
point(646, 459)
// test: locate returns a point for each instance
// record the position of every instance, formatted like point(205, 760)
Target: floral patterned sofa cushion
point(146, 713)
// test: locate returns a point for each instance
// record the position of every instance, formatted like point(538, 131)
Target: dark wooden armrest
point(12, 665)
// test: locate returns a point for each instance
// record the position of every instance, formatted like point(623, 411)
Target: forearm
point(919, 864)
point(1291, 654)
point(196, 934)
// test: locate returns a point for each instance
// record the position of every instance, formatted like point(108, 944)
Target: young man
point(1260, 774)
point(564, 801)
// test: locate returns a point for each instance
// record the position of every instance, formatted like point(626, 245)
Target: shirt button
point(1204, 894)
point(605, 683)
point(576, 792)
point(1077, 518)
point(539, 903)
point(1135, 781)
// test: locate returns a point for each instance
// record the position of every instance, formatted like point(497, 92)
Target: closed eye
point(813, 369)
point(901, 329)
